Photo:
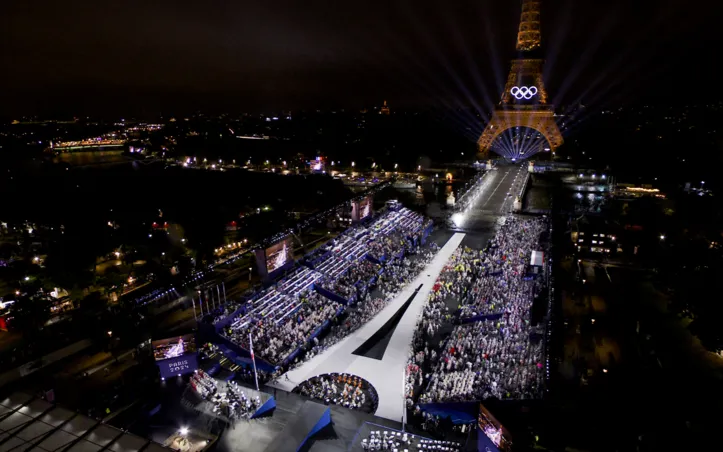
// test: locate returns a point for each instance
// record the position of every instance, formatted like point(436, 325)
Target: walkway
point(387, 374)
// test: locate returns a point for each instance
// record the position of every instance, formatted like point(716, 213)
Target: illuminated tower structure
point(524, 101)
point(385, 109)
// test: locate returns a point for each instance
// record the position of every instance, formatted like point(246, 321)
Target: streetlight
point(662, 237)
point(352, 164)
point(250, 270)
point(183, 431)
point(110, 333)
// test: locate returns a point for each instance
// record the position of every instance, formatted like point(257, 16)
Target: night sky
point(158, 56)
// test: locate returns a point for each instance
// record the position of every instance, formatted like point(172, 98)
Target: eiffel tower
point(524, 102)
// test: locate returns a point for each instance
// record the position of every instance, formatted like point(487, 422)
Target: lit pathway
point(387, 375)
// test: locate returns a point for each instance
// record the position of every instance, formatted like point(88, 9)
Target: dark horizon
point(100, 59)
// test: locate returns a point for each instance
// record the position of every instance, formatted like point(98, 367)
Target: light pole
point(250, 269)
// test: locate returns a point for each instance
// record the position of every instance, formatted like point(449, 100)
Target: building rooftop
point(31, 424)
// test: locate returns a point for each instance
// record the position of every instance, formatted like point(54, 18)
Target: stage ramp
point(386, 375)
point(311, 418)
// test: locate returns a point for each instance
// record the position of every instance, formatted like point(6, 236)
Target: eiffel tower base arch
point(502, 120)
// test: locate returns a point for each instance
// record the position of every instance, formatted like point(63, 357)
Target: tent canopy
point(538, 257)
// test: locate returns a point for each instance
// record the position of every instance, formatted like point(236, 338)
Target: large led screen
point(279, 255)
point(361, 209)
point(173, 347)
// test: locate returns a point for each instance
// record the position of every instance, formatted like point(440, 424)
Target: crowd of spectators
point(387, 247)
point(340, 389)
point(274, 340)
point(494, 352)
point(396, 275)
point(347, 285)
point(228, 400)
point(401, 441)
point(287, 316)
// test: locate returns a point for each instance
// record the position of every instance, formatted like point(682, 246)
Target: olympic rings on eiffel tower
point(523, 92)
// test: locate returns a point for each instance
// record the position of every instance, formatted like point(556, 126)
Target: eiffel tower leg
point(482, 153)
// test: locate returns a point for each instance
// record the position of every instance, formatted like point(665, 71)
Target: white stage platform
point(387, 375)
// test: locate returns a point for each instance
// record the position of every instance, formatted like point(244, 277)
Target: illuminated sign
point(523, 92)
point(177, 366)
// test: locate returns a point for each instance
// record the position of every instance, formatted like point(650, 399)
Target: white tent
point(538, 258)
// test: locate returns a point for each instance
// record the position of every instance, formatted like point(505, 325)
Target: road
point(494, 201)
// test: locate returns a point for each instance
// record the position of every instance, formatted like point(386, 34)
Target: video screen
point(173, 347)
point(279, 254)
point(361, 209)
point(365, 208)
point(493, 430)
